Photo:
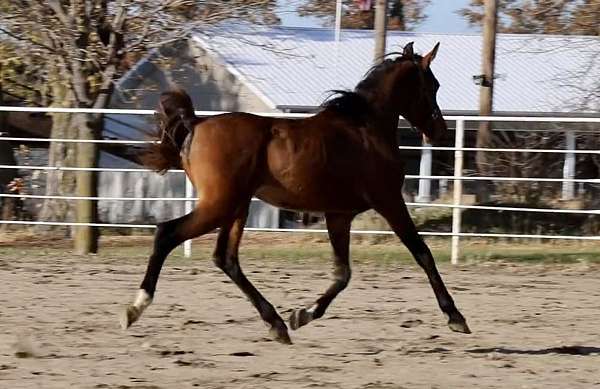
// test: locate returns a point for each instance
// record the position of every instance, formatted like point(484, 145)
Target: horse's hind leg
point(226, 258)
point(401, 223)
point(338, 227)
point(168, 236)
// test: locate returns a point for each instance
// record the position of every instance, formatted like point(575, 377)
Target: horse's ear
point(408, 51)
point(429, 57)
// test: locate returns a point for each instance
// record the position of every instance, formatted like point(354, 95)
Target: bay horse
point(342, 161)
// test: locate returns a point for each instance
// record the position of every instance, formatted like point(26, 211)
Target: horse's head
point(422, 110)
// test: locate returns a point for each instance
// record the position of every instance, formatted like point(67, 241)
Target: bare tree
point(578, 17)
point(402, 14)
point(563, 17)
point(82, 47)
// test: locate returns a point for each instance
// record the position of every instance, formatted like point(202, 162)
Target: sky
point(441, 17)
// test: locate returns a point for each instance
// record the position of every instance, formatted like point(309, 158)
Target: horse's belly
point(310, 199)
point(305, 174)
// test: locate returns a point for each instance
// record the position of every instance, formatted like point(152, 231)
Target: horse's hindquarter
point(317, 165)
point(225, 156)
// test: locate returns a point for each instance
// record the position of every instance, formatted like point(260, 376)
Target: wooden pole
point(486, 93)
point(86, 237)
point(490, 24)
point(380, 29)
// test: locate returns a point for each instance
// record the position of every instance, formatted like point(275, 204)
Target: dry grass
point(300, 247)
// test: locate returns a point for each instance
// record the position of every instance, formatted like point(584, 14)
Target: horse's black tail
point(176, 119)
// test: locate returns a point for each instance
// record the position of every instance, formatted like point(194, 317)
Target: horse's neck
point(388, 101)
point(390, 97)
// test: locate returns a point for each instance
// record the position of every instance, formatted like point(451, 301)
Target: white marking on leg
point(133, 312)
point(312, 310)
point(142, 301)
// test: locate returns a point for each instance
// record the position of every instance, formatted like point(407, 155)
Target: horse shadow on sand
point(561, 350)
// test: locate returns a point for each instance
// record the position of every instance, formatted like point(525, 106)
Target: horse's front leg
point(396, 214)
point(226, 258)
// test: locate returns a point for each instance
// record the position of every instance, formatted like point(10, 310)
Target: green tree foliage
point(402, 14)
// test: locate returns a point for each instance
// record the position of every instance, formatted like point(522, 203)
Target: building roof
point(294, 68)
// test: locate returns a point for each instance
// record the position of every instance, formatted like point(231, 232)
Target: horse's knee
point(418, 248)
point(219, 261)
point(228, 264)
point(342, 276)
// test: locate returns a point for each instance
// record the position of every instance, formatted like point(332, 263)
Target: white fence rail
point(457, 178)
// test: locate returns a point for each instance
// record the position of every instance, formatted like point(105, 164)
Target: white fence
point(424, 178)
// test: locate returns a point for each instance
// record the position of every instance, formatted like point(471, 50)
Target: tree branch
point(28, 40)
point(59, 12)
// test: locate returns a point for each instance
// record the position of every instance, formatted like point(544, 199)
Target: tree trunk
point(380, 30)
point(7, 157)
point(86, 237)
point(484, 134)
point(59, 154)
point(8, 205)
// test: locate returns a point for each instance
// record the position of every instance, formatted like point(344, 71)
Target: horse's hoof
point(129, 316)
point(281, 335)
point(299, 317)
point(459, 325)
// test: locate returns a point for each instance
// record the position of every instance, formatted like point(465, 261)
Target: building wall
point(187, 66)
point(140, 184)
point(221, 90)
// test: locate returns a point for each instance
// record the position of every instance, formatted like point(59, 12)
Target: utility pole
point(486, 94)
point(380, 29)
point(338, 20)
point(490, 24)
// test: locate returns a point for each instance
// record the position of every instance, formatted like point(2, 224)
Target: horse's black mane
point(355, 104)
point(347, 103)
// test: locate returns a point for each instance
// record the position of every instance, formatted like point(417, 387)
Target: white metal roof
point(295, 67)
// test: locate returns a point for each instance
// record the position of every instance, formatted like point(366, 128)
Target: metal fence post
point(424, 195)
point(458, 169)
point(189, 193)
point(568, 188)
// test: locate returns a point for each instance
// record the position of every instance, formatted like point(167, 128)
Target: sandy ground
point(534, 326)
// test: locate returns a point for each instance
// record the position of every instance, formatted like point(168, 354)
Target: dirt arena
point(534, 326)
